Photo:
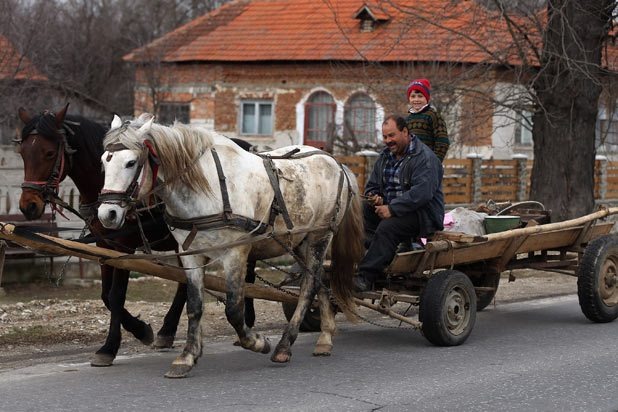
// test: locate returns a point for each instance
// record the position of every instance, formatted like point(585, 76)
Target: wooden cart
point(451, 278)
point(455, 275)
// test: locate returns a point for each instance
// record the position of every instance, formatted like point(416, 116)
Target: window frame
point(178, 107)
point(257, 103)
point(320, 141)
point(523, 129)
point(370, 134)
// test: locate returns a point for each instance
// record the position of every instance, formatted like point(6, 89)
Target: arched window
point(360, 119)
point(319, 119)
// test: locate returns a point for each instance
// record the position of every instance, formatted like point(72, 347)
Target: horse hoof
point(266, 348)
point(163, 342)
point(102, 359)
point(281, 357)
point(322, 350)
point(178, 371)
point(236, 343)
point(148, 337)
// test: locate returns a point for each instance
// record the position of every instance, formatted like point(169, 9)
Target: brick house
point(279, 72)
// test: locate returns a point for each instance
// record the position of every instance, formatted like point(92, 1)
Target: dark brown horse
point(54, 146)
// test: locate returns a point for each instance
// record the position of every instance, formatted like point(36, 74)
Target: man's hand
point(383, 211)
point(376, 200)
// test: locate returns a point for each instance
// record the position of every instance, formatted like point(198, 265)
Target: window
point(609, 131)
point(523, 128)
point(170, 112)
point(607, 126)
point(256, 118)
point(319, 119)
point(360, 119)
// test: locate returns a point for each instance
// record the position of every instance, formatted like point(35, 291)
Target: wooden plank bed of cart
point(450, 279)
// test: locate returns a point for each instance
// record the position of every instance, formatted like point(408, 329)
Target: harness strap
point(88, 210)
point(227, 208)
point(278, 205)
point(227, 219)
point(218, 221)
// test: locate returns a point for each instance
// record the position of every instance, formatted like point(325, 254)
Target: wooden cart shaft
point(45, 243)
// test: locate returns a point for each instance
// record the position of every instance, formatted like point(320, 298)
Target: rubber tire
point(433, 307)
point(311, 321)
point(488, 280)
point(600, 258)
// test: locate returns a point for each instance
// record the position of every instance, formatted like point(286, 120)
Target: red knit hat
point(421, 85)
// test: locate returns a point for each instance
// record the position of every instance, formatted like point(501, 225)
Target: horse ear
point(116, 122)
point(60, 115)
point(145, 117)
point(146, 127)
point(24, 115)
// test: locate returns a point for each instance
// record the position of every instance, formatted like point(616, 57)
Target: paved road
point(529, 356)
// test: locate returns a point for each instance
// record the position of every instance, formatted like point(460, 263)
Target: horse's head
point(130, 165)
point(46, 153)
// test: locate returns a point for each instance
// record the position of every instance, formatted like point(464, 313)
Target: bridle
point(128, 197)
point(49, 188)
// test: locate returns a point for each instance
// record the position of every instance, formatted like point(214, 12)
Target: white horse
point(228, 205)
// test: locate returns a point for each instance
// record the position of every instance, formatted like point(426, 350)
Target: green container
point(495, 224)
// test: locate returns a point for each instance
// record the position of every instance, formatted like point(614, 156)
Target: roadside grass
point(42, 334)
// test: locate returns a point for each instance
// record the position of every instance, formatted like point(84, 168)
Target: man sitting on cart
point(404, 199)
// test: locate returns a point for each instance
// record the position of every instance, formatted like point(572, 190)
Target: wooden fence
point(475, 180)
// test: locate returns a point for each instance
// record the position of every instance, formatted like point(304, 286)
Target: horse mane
point(179, 148)
point(82, 133)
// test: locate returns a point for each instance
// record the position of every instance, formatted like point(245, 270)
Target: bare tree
point(568, 87)
point(79, 44)
point(552, 60)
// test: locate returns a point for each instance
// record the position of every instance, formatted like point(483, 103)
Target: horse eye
point(50, 155)
point(131, 163)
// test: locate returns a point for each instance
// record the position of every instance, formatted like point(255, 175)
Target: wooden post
point(522, 176)
point(477, 163)
point(2, 256)
point(601, 175)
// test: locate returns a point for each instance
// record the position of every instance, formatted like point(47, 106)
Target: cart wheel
point(596, 280)
point(311, 321)
point(448, 308)
point(484, 298)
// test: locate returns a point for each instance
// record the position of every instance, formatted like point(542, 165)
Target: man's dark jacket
point(421, 177)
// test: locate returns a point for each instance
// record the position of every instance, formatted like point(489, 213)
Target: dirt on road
point(42, 320)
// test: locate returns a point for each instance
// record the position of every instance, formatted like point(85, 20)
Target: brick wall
point(215, 90)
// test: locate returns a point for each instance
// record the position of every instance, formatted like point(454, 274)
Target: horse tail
point(347, 249)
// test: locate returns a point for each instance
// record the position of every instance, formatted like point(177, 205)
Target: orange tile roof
point(15, 66)
point(319, 30)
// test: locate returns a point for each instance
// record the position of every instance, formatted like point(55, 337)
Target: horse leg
point(183, 364)
point(249, 308)
point(324, 345)
point(312, 253)
point(167, 333)
point(113, 293)
point(233, 264)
